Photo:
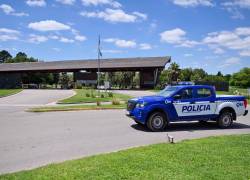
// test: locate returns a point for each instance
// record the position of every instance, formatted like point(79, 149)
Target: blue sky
point(209, 34)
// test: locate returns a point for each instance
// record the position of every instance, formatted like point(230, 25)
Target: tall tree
point(174, 70)
point(186, 74)
point(198, 75)
point(241, 78)
point(4, 56)
point(21, 57)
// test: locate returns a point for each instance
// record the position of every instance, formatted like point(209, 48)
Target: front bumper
point(137, 115)
point(246, 112)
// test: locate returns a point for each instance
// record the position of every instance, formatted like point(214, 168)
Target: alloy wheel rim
point(157, 122)
point(226, 120)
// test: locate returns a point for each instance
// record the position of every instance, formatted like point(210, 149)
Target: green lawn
point(76, 108)
point(224, 157)
point(7, 92)
point(81, 97)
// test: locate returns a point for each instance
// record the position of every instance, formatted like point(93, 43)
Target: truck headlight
point(141, 105)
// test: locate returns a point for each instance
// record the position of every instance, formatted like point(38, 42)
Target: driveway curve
point(35, 97)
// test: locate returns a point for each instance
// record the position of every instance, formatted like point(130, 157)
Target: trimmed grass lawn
point(223, 157)
point(8, 92)
point(81, 97)
point(76, 108)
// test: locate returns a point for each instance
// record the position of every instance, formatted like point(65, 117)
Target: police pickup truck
point(186, 103)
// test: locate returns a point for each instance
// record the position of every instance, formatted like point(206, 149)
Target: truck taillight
point(245, 103)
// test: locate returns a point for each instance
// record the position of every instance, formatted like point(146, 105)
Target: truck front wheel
point(225, 120)
point(157, 121)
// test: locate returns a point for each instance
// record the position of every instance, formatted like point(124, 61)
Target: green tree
point(198, 75)
point(164, 78)
point(21, 57)
point(241, 78)
point(174, 72)
point(4, 56)
point(64, 80)
point(219, 73)
point(186, 74)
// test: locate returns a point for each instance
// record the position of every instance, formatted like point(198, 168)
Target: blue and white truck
point(186, 103)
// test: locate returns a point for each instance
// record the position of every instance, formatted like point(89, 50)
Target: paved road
point(29, 140)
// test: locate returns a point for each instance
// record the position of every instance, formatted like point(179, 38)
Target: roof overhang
point(118, 64)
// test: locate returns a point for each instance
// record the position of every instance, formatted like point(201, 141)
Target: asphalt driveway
point(29, 140)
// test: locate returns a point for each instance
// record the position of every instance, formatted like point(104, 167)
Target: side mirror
point(177, 96)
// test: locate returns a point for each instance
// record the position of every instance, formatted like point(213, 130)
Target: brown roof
point(73, 65)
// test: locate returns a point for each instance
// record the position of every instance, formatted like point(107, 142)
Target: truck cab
point(186, 103)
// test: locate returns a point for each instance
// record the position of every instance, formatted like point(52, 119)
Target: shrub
point(92, 94)
point(98, 103)
point(110, 94)
point(87, 94)
point(116, 102)
point(78, 86)
point(102, 95)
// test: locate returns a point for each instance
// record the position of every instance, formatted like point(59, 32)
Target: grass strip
point(222, 157)
point(76, 108)
point(8, 92)
point(81, 97)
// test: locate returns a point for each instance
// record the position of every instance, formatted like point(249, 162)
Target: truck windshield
point(168, 91)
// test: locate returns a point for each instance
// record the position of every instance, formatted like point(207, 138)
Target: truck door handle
point(192, 102)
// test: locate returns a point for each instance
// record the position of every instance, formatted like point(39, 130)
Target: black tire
point(157, 121)
point(225, 119)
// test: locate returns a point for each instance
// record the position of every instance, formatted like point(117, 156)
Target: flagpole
point(99, 64)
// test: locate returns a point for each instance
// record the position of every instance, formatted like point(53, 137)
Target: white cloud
point(56, 49)
point(243, 31)
point(48, 25)
point(239, 39)
point(188, 55)
point(245, 53)
point(230, 62)
point(218, 51)
point(141, 15)
point(8, 34)
point(37, 39)
point(111, 51)
point(67, 2)
point(112, 3)
point(239, 3)
point(7, 9)
point(173, 36)
point(80, 38)
point(193, 3)
point(234, 7)
point(66, 40)
point(9, 31)
point(145, 46)
point(121, 43)
point(177, 36)
point(115, 15)
point(33, 3)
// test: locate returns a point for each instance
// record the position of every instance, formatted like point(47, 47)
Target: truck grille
point(131, 105)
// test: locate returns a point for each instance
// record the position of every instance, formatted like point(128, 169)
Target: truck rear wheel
point(225, 120)
point(157, 121)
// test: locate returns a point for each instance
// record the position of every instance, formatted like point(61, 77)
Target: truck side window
point(186, 93)
point(203, 92)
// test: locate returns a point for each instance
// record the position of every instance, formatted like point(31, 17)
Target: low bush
point(110, 94)
point(102, 96)
point(98, 103)
point(87, 94)
point(92, 94)
point(116, 102)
